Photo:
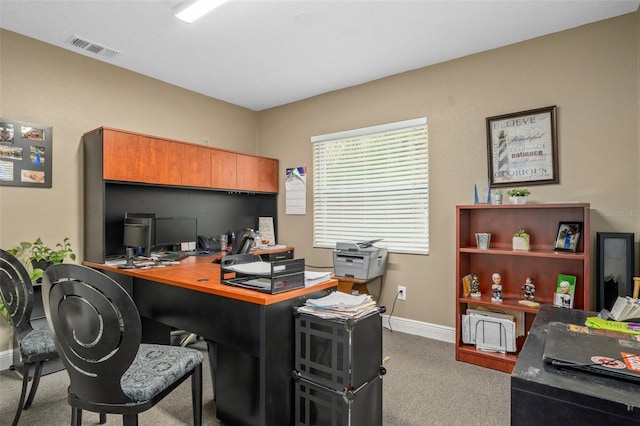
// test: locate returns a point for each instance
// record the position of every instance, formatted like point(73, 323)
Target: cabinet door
point(195, 165)
point(248, 168)
point(161, 162)
point(223, 169)
point(121, 156)
point(268, 170)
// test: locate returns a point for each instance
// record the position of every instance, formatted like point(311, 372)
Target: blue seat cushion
point(155, 368)
point(38, 342)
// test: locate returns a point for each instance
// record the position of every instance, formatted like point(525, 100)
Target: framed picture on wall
point(523, 148)
point(568, 236)
point(615, 267)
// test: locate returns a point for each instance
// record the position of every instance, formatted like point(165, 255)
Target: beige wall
point(590, 73)
point(74, 94)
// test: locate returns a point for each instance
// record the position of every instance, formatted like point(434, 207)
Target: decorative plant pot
point(40, 264)
point(497, 199)
point(518, 200)
point(520, 244)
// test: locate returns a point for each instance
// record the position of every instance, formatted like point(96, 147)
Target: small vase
point(520, 244)
point(497, 199)
point(518, 200)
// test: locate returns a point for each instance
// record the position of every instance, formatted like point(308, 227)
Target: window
point(373, 183)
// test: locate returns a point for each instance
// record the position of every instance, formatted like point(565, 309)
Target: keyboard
point(173, 256)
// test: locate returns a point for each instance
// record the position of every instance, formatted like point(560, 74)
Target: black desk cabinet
point(542, 394)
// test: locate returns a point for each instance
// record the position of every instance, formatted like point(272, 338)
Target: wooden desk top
point(199, 273)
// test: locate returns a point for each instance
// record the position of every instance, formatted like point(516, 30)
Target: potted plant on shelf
point(521, 240)
point(36, 256)
point(518, 195)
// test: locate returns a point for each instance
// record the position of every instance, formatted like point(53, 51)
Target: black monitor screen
point(135, 235)
point(138, 234)
point(147, 218)
point(172, 231)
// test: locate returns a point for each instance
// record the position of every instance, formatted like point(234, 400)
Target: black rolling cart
point(338, 375)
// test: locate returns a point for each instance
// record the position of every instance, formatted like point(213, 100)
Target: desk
point(542, 394)
point(348, 285)
point(250, 334)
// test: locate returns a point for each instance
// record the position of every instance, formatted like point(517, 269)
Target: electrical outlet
point(402, 293)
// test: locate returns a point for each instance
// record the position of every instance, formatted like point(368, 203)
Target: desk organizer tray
point(249, 271)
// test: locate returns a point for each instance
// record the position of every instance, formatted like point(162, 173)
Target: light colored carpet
point(424, 385)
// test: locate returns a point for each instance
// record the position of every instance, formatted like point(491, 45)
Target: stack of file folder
point(340, 305)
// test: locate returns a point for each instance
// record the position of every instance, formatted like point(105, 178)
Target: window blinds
point(373, 183)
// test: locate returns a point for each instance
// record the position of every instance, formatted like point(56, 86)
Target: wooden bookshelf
point(541, 262)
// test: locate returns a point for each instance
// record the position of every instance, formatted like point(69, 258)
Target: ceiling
point(262, 53)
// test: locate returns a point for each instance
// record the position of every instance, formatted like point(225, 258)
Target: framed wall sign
point(615, 267)
point(523, 148)
point(25, 154)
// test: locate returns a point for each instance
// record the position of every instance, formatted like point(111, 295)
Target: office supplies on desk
point(173, 256)
point(595, 351)
point(249, 271)
point(359, 260)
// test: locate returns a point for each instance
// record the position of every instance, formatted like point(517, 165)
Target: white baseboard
point(6, 359)
point(419, 328)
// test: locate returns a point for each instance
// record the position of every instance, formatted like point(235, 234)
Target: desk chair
point(97, 330)
point(35, 346)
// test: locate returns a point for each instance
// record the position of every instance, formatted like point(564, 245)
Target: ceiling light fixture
point(191, 11)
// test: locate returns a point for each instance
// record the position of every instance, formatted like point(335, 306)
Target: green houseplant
point(36, 256)
point(521, 240)
point(518, 195)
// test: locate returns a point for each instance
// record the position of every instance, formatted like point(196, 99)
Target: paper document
point(313, 277)
point(252, 268)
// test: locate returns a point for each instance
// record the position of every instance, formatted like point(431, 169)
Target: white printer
point(359, 260)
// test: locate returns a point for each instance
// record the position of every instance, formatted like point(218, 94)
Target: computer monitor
point(148, 221)
point(173, 231)
point(135, 240)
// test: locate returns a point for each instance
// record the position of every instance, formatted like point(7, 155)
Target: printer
point(359, 260)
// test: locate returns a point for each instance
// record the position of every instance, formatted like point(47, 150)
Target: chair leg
point(76, 416)
point(25, 383)
point(34, 385)
point(196, 394)
point(103, 418)
point(129, 420)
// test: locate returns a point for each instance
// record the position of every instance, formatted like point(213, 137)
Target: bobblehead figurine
point(496, 287)
point(529, 293)
point(475, 285)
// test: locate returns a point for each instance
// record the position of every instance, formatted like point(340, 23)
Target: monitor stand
point(129, 264)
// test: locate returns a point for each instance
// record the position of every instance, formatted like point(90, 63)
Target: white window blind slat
point(373, 183)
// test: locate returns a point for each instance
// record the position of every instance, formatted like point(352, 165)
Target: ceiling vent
point(89, 46)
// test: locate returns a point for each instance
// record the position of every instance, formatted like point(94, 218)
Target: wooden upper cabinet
point(132, 157)
point(161, 162)
point(248, 172)
point(195, 164)
point(223, 169)
point(257, 174)
point(269, 174)
point(122, 153)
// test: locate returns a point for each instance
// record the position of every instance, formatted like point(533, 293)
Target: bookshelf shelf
point(541, 262)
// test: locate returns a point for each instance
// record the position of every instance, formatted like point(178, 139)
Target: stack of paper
point(313, 278)
point(340, 305)
point(626, 309)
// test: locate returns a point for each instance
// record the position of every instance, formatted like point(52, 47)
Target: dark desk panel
point(250, 334)
point(543, 394)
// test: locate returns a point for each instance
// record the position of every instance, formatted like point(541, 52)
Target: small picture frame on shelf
point(565, 291)
point(568, 236)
